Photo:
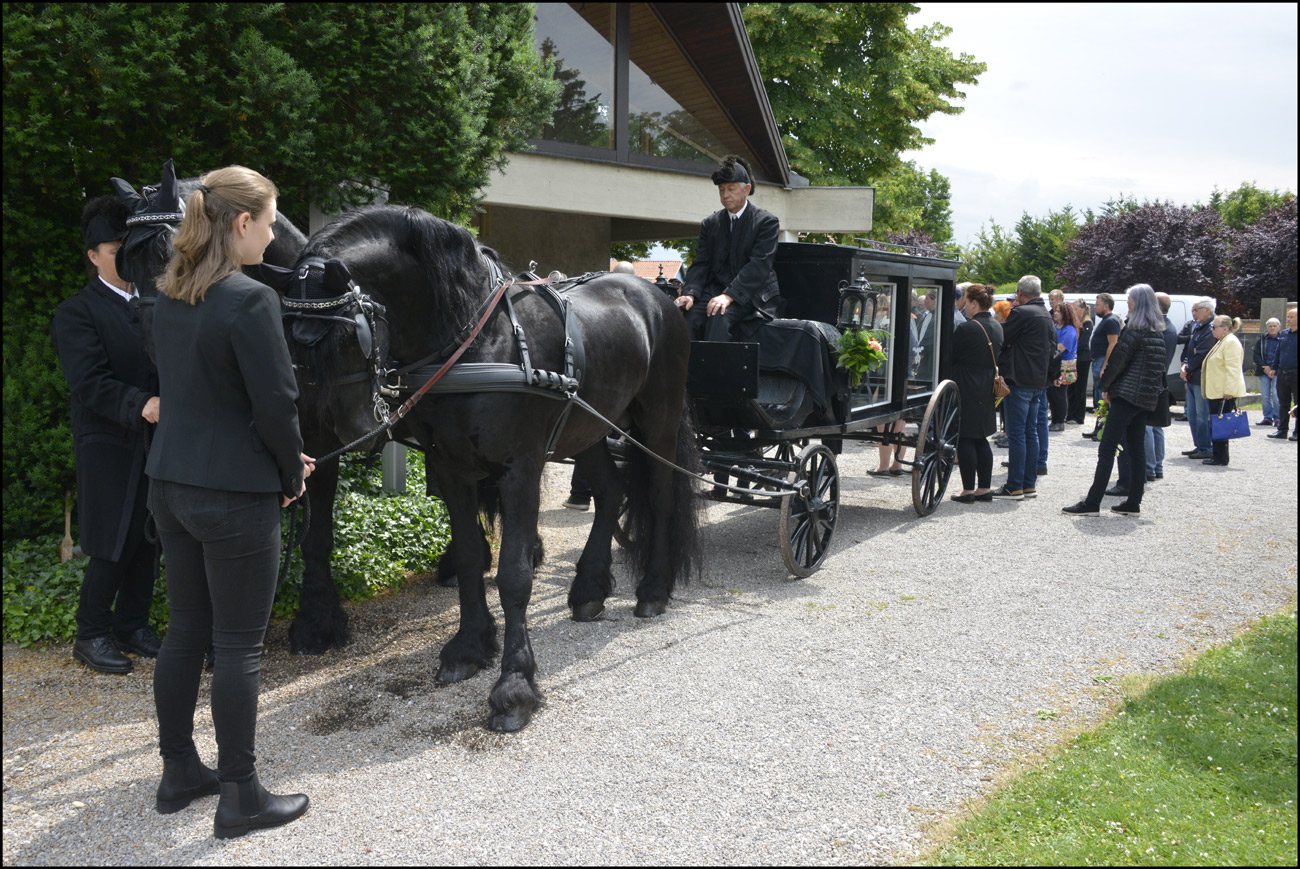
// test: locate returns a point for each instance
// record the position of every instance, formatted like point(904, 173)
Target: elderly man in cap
point(731, 289)
point(114, 387)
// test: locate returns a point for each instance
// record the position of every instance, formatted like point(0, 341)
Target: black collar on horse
point(432, 276)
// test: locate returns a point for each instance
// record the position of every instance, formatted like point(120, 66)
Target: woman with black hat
point(114, 389)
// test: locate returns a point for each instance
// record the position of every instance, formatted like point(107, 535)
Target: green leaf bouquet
point(860, 351)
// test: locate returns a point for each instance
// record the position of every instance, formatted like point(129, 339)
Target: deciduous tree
point(1262, 261)
point(1175, 249)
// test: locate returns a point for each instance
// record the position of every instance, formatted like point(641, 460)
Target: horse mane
point(454, 266)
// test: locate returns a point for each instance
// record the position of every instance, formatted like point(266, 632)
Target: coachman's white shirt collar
point(737, 215)
point(128, 296)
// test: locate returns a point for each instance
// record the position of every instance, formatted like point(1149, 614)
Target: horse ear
point(169, 188)
point(127, 192)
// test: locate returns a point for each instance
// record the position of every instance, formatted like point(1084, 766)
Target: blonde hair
point(204, 248)
point(1233, 323)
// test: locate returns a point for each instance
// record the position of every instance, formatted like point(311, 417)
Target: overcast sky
point(1083, 102)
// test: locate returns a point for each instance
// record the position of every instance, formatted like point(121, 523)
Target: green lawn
point(1200, 768)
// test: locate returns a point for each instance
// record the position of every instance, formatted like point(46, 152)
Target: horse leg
point(474, 644)
point(515, 696)
point(321, 621)
point(594, 580)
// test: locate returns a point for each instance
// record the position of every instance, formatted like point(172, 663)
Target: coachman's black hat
point(732, 169)
point(103, 219)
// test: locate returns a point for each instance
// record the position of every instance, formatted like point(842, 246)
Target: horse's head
point(156, 212)
point(338, 338)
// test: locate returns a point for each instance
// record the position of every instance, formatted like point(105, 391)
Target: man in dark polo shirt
point(1028, 337)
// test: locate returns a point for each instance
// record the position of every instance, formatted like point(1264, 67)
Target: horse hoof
point(510, 722)
point(647, 609)
point(588, 612)
point(306, 650)
point(457, 672)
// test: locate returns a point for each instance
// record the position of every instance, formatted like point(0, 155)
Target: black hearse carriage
point(773, 413)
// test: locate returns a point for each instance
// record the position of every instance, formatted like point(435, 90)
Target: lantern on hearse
point(854, 298)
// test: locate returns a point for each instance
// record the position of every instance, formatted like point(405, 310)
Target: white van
point(1180, 311)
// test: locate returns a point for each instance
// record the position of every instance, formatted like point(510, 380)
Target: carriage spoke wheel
point(936, 448)
point(808, 516)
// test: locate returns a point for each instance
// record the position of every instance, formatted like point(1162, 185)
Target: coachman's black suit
point(736, 258)
point(98, 339)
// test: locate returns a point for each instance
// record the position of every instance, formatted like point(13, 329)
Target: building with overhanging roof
point(655, 94)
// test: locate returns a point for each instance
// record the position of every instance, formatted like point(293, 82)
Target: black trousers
point(115, 595)
point(222, 551)
point(1221, 405)
point(975, 461)
point(1078, 395)
point(1286, 394)
point(1058, 402)
point(1128, 422)
point(720, 327)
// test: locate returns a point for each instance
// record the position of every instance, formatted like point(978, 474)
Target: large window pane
point(660, 127)
point(876, 388)
point(581, 42)
point(925, 343)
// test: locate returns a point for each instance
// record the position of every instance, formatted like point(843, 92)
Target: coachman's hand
point(684, 302)
point(718, 304)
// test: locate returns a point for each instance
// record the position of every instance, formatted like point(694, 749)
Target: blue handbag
point(1227, 426)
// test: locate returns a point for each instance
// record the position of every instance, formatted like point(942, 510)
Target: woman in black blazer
point(226, 456)
point(973, 361)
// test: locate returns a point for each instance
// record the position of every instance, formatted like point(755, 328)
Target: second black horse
point(434, 278)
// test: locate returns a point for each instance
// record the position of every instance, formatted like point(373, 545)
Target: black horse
point(433, 278)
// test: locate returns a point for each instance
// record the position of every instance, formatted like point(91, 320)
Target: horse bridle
point(370, 322)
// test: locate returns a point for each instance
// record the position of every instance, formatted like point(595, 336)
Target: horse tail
point(685, 553)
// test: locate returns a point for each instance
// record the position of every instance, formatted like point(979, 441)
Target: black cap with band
point(732, 169)
point(103, 219)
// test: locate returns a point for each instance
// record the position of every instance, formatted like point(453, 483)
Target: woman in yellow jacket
point(1222, 380)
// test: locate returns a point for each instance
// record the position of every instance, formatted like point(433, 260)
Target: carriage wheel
point(808, 517)
point(936, 448)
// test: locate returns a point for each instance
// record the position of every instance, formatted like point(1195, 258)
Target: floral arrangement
point(860, 351)
point(1103, 411)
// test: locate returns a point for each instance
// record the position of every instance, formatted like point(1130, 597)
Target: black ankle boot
point(184, 780)
point(246, 806)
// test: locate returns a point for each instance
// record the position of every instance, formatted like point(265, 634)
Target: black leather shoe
point(963, 499)
point(100, 654)
point(1089, 435)
point(1116, 490)
point(1042, 472)
point(1151, 478)
point(1124, 508)
point(1159, 476)
point(246, 806)
point(1277, 435)
point(142, 641)
point(1190, 452)
point(1212, 462)
point(1083, 508)
point(1204, 454)
point(184, 780)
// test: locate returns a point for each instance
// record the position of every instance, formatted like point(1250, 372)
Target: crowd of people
point(1044, 352)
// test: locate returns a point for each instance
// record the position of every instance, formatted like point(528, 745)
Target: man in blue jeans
point(1199, 345)
point(1028, 336)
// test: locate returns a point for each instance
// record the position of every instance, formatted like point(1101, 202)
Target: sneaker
point(1125, 509)
point(1114, 491)
point(1080, 509)
point(1005, 494)
point(1028, 492)
point(582, 504)
point(1271, 422)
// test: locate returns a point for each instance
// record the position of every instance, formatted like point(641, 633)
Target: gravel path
point(761, 720)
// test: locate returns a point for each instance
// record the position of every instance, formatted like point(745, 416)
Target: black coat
point(1028, 337)
point(1135, 371)
point(738, 261)
point(98, 339)
point(972, 371)
point(228, 419)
